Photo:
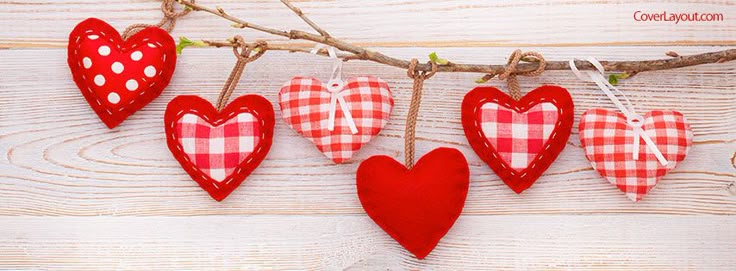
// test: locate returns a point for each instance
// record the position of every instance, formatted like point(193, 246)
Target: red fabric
point(509, 135)
point(608, 144)
point(116, 77)
point(418, 206)
point(305, 104)
point(219, 149)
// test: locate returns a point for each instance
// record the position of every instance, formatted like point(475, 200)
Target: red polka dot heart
point(118, 77)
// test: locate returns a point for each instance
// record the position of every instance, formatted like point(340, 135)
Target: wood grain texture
point(319, 242)
point(61, 160)
point(77, 196)
point(395, 23)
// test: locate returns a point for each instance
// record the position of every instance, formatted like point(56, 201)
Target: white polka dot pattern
point(117, 67)
point(113, 98)
point(104, 50)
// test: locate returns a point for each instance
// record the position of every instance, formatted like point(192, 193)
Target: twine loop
point(510, 72)
point(245, 54)
point(416, 98)
point(414, 74)
point(168, 22)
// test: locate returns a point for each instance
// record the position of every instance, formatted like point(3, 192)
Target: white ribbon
point(635, 121)
point(335, 86)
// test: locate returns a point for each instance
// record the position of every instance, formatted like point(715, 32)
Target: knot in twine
point(168, 22)
point(416, 98)
point(510, 72)
point(245, 54)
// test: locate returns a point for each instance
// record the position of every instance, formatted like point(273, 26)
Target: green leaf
point(434, 58)
point(184, 42)
point(480, 80)
point(613, 79)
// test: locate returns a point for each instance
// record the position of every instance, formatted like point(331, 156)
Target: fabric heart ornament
point(608, 142)
point(415, 206)
point(520, 139)
point(118, 77)
point(219, 149)
point(338, 121)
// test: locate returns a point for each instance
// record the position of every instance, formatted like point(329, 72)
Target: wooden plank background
point(75, 195)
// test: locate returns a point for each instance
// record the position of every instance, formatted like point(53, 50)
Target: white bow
point(635, 121)
point(335, 86)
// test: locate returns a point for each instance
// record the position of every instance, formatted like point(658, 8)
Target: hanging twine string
point(168, 22)
point(510, 72)
point(416, 98)
point(245, 54)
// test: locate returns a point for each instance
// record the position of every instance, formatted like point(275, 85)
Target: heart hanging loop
point(245, 54)
point(510, 72)
point(336, 86)
point(416, 98)
point(633, 120)
point(167, 23)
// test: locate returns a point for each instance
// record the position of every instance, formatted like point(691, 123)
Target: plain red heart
point(117, 77)
point(518, 179)
point(218, 139)
point(415, 206)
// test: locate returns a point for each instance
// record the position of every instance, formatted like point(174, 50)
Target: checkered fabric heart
point(518, 137)
point(608, 143)
point(305, 104)
point(217, 150)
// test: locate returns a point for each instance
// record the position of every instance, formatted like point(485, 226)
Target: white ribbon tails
point(635, 121)
point(336, 86)
point(336, 98)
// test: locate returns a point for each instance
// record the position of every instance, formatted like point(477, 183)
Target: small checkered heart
point(608, 142)
point(118, 77)
point(305, 105)
point(518, 139)
point(219, 149)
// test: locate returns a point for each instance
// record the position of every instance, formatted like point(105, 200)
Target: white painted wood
point(319, 242)
point(75, 195)
point(396, 23)
point(61, 160)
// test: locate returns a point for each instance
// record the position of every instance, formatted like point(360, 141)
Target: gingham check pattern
point(518, 137)
point(218, 150)
point(305, 105)
point(608, 143)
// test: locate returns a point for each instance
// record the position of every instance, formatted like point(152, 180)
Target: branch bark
point(360, 53)
point(305, 18)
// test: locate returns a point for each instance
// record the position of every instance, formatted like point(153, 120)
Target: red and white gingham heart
point(608, 142)
point(305, 105)
point(518, 136)
point(218, 150)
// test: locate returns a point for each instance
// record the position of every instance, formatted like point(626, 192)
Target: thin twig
point(238, 22)
point(361, 53)
point(276, 47)
point(305, 18)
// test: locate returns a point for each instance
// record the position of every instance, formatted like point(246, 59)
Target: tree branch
point(360, 53)
point(276, 47)
point(305, 18)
